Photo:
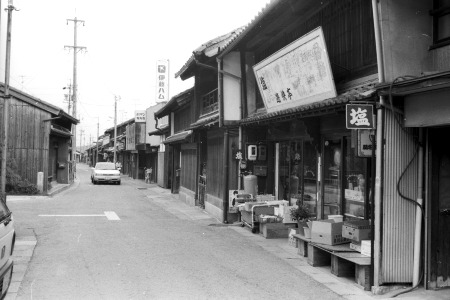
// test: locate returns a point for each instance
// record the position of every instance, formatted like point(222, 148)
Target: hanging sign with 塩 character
point(296, 75)
point(359, 116)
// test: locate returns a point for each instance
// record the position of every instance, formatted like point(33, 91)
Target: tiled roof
point(252, 24)
point(210, 48)
point(163, 129)
point(205, 121)
point(354, 94)
point(178, 137)
point(173, 104)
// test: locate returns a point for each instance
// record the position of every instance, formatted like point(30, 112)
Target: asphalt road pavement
point(133, 241)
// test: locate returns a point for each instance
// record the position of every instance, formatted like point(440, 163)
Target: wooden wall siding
point(441, 58)
point(28, 139)
point(182, 119)
point(215, 168)
point(398, 214)
point(349, 37)
point(189, 168)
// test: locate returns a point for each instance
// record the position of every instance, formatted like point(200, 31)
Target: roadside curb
point(23, 251)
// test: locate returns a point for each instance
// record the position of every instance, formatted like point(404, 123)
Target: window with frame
point(441, 23)
point(210, 102)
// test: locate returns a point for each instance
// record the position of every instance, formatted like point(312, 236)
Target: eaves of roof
point(174, 103)
point(360, 93)
point(227, 47)
point(178, 137)
point(160, 131)
point(36, 102)
point(206, 121)
point(209, 49)
point(120, 125)
point(60, 131)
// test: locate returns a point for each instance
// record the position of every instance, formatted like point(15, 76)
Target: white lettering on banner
point(359, 117)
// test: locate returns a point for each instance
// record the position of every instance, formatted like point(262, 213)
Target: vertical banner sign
point(162, 80)
point(359, 116)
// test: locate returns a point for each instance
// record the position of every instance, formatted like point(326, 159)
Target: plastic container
point(251, 185)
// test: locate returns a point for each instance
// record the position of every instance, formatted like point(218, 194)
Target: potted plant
point(301, 214)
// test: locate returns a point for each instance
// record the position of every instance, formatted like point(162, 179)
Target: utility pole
point(81, 137)
point(115, 126)
point(96, 143)
point(75, 49)
point(6, 99)
point(91, 162)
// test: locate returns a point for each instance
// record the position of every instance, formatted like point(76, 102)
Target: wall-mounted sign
point(162, 80)
point(359, 116)
point(365, 145)
point(139, 116)
point(298, 74)
point(106, 140)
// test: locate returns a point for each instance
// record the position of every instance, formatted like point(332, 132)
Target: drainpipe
point(417, 234)
point(220, 91)
point(376, 245)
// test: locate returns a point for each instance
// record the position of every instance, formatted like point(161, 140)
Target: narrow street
point(134, 241)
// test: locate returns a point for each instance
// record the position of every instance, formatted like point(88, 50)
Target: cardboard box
point(327, 232)
point(285, 213)
point(357, 230)
point(365, 247)
point(355, 246)
point(275, 230)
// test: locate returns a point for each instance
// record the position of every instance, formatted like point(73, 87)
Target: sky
point(123, 40)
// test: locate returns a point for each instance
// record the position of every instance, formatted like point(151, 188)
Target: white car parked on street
point(7, 241)
point(105, 172)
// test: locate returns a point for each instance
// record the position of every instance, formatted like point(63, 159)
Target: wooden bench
point(344, 261)
point(301, 242)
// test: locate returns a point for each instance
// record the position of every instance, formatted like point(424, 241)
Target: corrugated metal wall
point(398, 213)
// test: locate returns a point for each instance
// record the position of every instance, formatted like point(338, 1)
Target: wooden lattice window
point(210, 102)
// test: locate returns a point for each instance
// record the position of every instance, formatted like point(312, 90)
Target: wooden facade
point(39, 138)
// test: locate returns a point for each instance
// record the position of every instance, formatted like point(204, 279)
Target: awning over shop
point(178, 137)
point(206, 121)
point(359, 93)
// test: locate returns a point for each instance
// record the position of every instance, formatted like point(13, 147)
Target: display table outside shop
point(343, 261)
point(301, 242)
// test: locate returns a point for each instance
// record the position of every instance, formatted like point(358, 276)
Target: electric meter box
point(252, 152)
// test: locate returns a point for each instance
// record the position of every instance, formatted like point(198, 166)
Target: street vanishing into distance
point(137, 241)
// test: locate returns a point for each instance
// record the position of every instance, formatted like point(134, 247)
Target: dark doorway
point(440, 209)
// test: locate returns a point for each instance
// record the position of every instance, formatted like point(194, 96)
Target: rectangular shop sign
point(365, 145)
point(359, 116)
point(296, 75)
point(139, 116)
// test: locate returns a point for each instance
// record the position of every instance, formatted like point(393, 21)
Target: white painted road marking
point(110, 215)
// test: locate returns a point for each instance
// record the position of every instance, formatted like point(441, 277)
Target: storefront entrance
point(440, 209)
